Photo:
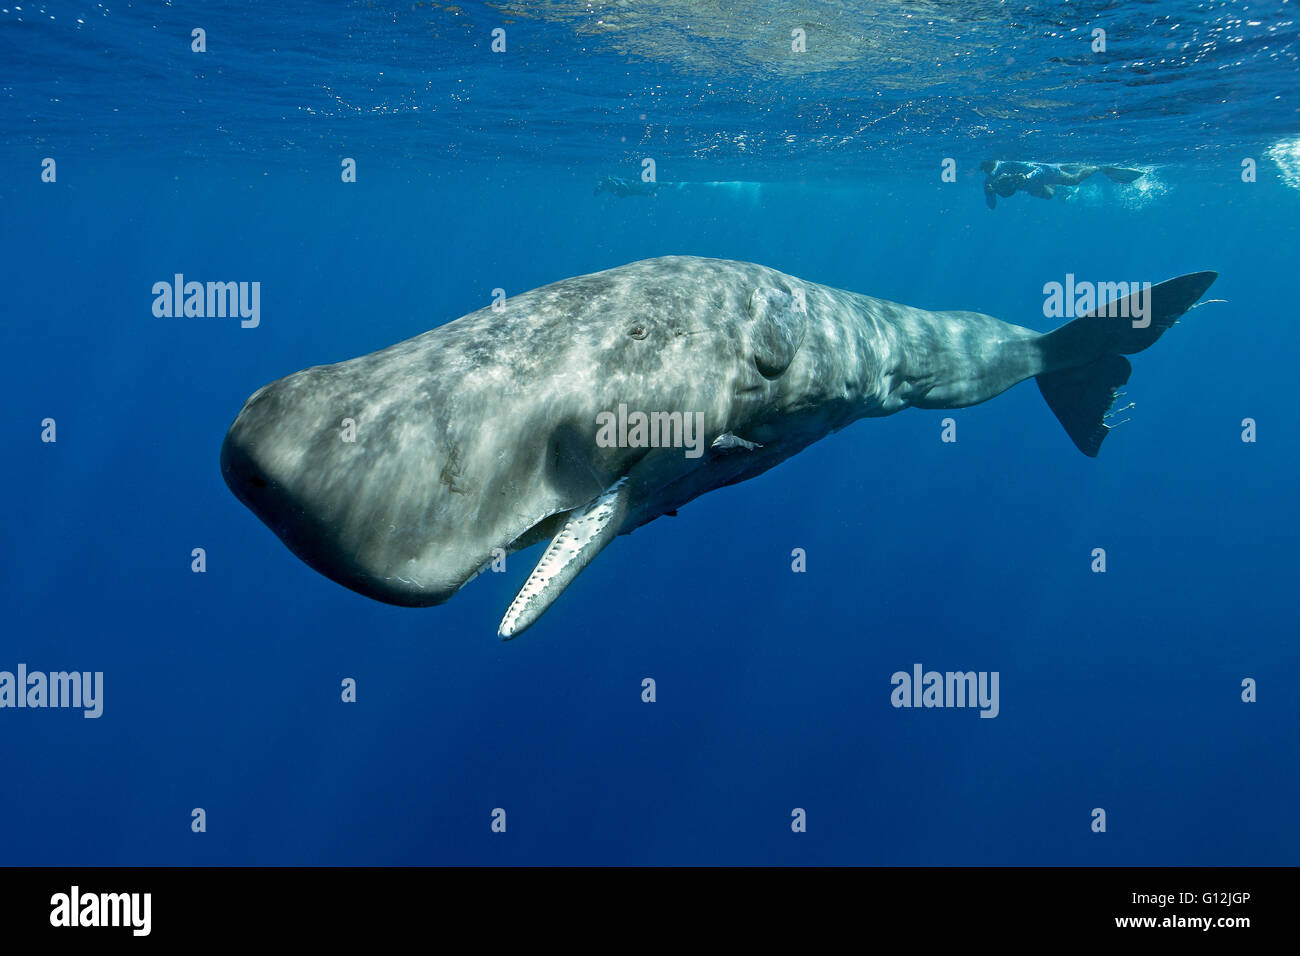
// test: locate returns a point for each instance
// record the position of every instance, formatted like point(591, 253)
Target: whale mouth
point(576, 536)
point(582, 533)
point(543, 529)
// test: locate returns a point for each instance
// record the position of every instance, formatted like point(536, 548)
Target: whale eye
point(637, 331)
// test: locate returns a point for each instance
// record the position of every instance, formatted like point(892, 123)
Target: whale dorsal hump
point(776, 329)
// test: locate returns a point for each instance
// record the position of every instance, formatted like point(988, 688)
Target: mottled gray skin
point(480, 434)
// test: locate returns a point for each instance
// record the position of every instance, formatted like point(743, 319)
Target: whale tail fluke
point(1082, 398)
point(1085, 358)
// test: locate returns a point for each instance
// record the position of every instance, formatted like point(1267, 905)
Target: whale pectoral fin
point(584, 534)
point(779, 322)
point(728, 442)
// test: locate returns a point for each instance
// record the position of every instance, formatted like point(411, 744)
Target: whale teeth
point(584, 534)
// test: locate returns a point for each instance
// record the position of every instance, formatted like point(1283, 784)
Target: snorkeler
point(622, 187)
point(1004, 178)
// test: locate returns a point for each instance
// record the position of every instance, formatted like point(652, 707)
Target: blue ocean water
point(477, 171)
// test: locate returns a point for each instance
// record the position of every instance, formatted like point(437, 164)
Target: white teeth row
point(581, 527)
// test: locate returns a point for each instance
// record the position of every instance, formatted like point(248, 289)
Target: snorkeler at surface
point(622, 187)
point(1005, 178)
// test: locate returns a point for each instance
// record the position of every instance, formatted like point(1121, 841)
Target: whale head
point(403, 473)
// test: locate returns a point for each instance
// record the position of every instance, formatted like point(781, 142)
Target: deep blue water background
point(1119, 691)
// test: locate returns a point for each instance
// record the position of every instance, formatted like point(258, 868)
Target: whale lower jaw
point(584, 534)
